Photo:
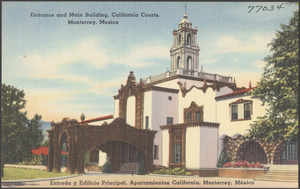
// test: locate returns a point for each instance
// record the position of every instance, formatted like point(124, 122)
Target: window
point(247, 110)
point(178, 61)
point(177, 153)
point(234, 112)
point(147, 122)
point(155, 151)
point(189, 63)
point(169, 120)
point(198, 116)
point(290, 151)
point(189, 39)
point(189, 117)
point(179, 39)
point(241, 106)
point(193, 113)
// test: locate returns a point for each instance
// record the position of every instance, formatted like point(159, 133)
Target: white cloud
point(245, 44)
point(46, 66)
point(104, 88)
point(207, 60)
point(259, 64)
point(141, 55)
point(56, 104)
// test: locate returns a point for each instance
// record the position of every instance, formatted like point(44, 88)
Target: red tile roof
point(97, 119)
point(236, 92)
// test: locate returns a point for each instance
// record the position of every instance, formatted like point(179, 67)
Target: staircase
point(128, 168)
point(280, 176)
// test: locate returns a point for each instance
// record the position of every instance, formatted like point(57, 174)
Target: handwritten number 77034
point(258, 8)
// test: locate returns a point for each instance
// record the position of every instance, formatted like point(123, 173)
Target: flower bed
point(242, 170)
point(243, 164)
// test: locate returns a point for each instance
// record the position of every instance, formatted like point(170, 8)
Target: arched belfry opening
point(185, 46)
point(122, 142)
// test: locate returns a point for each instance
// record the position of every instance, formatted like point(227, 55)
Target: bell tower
point(185, 49)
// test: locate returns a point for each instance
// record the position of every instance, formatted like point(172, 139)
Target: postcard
point(149, 94)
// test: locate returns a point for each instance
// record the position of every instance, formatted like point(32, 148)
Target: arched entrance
point(64, 150)
point(121, 141)
point(117, 152)
point(286, 153)
point(252, 151)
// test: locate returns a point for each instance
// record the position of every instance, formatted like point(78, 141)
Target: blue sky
point(69, 69)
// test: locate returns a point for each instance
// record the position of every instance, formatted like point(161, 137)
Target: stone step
point(279, 175)
point(129, 168)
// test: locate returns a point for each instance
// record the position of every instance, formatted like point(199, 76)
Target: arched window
point(189, 39)
point(179, 39)
point(189, 63)
point(178, 62)
point(290, 152)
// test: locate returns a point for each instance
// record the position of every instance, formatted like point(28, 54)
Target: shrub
point(106, 168)
point(141, 170)
point(175, 171)
point(222, 159)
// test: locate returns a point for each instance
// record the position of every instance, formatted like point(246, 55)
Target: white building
point(196, 114)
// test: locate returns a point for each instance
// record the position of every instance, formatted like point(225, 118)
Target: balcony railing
point(186, 72)
point(192, 124)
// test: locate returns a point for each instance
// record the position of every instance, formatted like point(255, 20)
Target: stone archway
point(252, 151)
point(82, 137)
point(286, 153)
point(132, 89)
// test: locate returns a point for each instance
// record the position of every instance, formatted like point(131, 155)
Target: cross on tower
point(184, 8)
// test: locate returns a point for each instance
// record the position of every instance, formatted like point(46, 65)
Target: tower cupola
point(185, 49)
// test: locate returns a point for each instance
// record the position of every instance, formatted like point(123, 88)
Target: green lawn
point(11, 173)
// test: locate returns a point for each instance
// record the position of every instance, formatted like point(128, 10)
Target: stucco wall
point(162, 108)
point(102, 158)
point(165, 147)
point(147, 109)
point(231, 128)
point(192, 152)
point(130, 114)
point(201, 147)
point(116, 108)
point(173, 83)
point(207, 100)
point(208, 147)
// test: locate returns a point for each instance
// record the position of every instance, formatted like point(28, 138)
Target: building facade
point(196, 114)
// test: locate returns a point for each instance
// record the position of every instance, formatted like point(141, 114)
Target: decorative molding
point(235, 148)
point(132, 89)
point(239, 101)
point(81, 138)
point(192, 124)
point(163, 89)
point(216, 85)
point(245, 119)
point(177, 136)
point(193, 109)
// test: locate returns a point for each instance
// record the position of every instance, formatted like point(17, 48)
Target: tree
point(18, 134)
point(107, 167)
point(279, 86)
point(141, 169)
point(32, 137)
point(222, 159)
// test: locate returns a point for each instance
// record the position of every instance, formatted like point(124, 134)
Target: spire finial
point(185, 8)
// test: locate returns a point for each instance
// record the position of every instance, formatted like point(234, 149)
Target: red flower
point(43, 150)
